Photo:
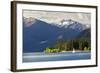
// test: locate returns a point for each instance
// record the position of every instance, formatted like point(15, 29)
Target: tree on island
point(68, 45)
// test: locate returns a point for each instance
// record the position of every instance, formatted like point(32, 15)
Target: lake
point(62, 56)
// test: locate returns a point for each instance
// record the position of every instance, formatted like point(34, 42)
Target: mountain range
point(38, 34)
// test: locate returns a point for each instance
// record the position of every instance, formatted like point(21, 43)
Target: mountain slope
point(37, 34)
point(85, 34)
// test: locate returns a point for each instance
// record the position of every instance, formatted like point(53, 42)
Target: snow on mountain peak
point(29, 21)
point(65, 23)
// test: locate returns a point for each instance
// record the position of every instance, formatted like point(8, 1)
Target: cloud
point(56, 17)
point(42, 42)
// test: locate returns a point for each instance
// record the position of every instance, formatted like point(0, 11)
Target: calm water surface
point(42, 57)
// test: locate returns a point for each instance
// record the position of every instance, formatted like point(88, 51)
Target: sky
point(56, 17)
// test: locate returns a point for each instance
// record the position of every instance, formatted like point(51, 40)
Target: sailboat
point(73, 50)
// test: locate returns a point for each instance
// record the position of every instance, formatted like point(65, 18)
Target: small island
point(69, 45)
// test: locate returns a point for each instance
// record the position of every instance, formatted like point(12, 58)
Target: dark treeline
point(69, 45)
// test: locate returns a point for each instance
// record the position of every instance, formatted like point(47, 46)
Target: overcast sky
point(56, 17)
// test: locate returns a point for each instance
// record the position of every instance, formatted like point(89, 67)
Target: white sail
point(73, 50)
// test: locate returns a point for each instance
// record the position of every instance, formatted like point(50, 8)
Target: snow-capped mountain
point(77, 25)
point(63, 23)
point(37, 34)
point(28, 21)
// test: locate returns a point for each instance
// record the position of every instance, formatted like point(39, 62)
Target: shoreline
point(57, 52)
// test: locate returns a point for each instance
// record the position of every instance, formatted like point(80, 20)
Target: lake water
point(42, 57)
